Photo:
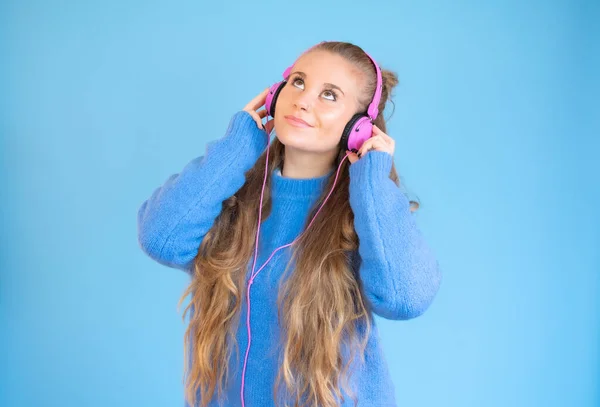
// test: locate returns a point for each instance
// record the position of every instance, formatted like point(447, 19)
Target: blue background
point(496, 124)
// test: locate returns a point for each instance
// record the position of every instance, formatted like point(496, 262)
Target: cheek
point(334, 121)
point(278, 121)
point(284, 96)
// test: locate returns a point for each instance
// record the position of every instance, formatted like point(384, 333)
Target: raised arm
point(173, 221)
point(397, 268)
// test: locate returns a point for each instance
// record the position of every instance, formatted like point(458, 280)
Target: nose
point(303, 101)
point(301, 105)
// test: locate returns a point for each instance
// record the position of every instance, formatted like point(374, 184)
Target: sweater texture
point(398, 271)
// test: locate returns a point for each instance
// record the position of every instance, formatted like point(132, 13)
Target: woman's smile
point(297, 122)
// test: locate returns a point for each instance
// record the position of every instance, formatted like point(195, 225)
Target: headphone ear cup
point(272, 96)
point(346, 141)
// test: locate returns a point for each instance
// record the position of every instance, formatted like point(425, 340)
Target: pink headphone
point(360, 126)
point(356, 132)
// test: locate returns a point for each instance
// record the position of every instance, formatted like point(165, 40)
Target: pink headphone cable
point(253, 275)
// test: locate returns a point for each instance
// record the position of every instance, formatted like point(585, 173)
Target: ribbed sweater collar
point(297, 187)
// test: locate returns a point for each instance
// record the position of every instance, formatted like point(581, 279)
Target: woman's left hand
point(378, 141)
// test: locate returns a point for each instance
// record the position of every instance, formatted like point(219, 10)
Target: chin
point(294, 136)
point(292, 139)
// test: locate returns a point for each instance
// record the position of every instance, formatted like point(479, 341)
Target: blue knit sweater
point(399, 273)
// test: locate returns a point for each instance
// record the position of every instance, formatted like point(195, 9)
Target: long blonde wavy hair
point(327, 311)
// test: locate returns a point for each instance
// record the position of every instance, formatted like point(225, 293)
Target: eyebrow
point(331, 85)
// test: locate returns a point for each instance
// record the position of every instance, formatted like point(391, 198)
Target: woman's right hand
point(256, 103)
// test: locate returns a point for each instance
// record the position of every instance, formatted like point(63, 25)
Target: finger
point(365, 147)
point(380, 140)
point(260, 114)
point(352, 157)
point(387, 139)
point(257, 119)
point(258, 101)
point(371, 144)
point(384, 138)
point(380, 145)
point(378, 132)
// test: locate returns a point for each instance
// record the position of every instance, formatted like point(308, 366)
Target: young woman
point(293, 245)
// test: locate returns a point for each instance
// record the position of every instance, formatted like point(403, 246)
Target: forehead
point(326, 67)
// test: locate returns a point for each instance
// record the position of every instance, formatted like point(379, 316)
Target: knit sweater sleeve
point(398, 270)
point(172, 222)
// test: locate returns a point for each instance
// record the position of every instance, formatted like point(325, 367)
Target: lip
point(294, 121)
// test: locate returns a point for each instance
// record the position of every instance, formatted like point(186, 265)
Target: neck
point(300, 164)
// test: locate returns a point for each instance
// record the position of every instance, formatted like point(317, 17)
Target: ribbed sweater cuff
point(243, 135)
point(374, 164)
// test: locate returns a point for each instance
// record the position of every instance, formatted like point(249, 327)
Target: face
point(322, 90)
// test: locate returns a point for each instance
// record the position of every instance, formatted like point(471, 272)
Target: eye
point(296, 79)
point(332, 97)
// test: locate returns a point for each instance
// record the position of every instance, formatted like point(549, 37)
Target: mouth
point(294, 121)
